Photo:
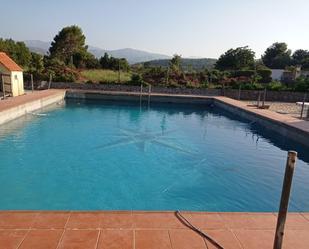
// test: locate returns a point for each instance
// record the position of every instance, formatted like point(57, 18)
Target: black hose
point(184, 221)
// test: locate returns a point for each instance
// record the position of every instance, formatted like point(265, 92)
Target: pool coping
point(15, 107)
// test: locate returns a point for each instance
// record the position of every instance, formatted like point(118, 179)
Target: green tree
point(18, 51)
point(277, 56)
point(301, 57)
point(69, 43)
point(123, 64)
point(104, 61)
point(36, 64)
point(83, 59)
point(236, 59)
point(175, 62)
point(113, 63)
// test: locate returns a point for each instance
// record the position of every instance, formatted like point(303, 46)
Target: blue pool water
point(104, 156)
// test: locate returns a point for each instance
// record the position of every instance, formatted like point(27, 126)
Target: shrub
point(65, 77)
point(252, 86)
point(204, 84)
point(265, 75)
point(136, 79)
point(245, 73)
point(276, 86)
point(302, 84)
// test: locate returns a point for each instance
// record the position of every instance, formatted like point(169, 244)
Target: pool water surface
point(123, 156)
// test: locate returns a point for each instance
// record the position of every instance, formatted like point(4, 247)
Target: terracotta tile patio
point(146, 230)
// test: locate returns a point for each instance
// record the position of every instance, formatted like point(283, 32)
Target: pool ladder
point(141, 95)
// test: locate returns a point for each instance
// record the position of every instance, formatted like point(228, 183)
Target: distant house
point(287, 75)
point(276, 74)
point(11, 76)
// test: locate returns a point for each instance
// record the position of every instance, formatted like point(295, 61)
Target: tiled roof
point(8, 63)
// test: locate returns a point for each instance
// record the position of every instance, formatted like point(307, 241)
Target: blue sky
point(197, 28)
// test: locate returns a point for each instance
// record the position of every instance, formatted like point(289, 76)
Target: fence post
point(50, 81)
point(119, 71)
point(223, 89)
point(239, 91)
point(32, 87)
point(259, 99)
point(264, 97)
point(3, 89)
point(303, 106)
point(285, 195)
point(149, 89)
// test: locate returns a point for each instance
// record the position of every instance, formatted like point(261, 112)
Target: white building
point(276, 74)
point(11, 76)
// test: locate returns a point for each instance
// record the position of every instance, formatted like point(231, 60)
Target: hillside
point(37, 46)
point(132, 55)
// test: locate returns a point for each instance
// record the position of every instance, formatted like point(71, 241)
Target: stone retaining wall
point(232, 93)
point(278, 96)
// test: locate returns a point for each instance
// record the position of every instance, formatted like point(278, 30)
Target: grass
point(105, 76)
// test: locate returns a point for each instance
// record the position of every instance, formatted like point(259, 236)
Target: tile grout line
point(307, 219)
point(29, 229)
point(97, 243)
point(34, 220)
point(134, 238)
point(23, 238)
point(237, 239)
point(64, 229)
point(169, 236)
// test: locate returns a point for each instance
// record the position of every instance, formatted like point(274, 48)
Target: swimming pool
point(122, 156)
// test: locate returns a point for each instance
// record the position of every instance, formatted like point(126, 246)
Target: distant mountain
point(186, 63)
point(40, 47)
point(132, 55)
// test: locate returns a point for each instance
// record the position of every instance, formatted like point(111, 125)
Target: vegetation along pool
point(121, 156)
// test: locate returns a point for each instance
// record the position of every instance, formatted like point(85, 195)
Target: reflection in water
point(258, 131)
point(163, 124)
point(15, 127)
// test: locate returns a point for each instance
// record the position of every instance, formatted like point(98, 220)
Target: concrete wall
point(285, 130)
point(71, 94)
point(18, 111)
